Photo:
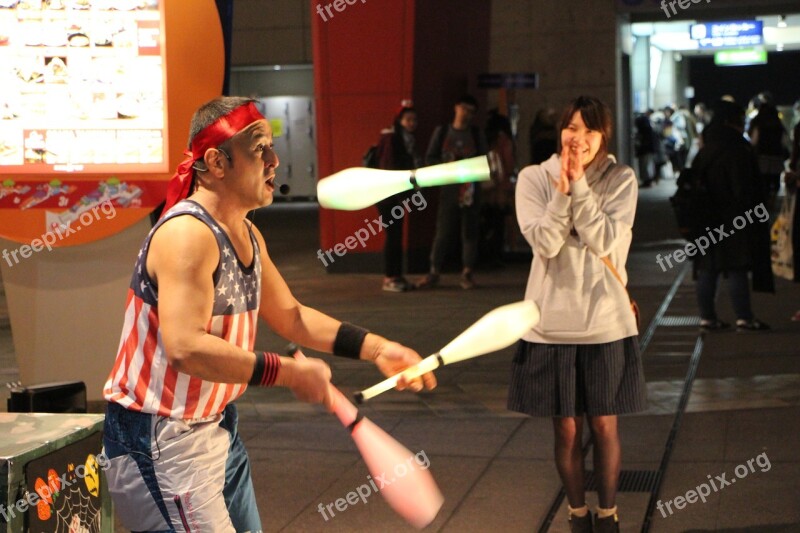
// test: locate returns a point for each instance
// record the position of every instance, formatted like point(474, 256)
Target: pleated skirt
point(566, 380)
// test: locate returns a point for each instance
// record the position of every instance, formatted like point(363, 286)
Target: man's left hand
point(393, 358)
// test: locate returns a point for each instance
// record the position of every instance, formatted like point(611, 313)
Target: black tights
point(606, 455)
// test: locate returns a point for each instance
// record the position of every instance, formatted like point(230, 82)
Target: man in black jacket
point(728, 168)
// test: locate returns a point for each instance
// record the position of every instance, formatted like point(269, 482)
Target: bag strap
point(608, 263)
point(605, 259)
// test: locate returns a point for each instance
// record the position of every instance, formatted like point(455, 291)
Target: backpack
point(371, 158)
point(690, 203)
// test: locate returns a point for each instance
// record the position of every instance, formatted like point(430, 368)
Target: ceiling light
point(782, 22)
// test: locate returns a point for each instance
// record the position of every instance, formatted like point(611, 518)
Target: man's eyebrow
point(257, 133)
point(254, 128)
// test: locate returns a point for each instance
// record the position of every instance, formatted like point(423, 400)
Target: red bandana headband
point(211, 136)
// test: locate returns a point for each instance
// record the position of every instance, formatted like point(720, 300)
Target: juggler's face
point(253, 163)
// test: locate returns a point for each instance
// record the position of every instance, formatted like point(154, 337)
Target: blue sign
point(512, 80)
point(732, 33)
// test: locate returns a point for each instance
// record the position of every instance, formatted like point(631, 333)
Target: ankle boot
point(609, 524)
point(580, 524)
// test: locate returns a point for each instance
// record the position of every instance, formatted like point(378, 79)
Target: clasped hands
point(572, 168)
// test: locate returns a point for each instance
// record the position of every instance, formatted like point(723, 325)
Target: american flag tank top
point(142, 379)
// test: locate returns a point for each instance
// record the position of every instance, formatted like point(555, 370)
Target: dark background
point(780, 76)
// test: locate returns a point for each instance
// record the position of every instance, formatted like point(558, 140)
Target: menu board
point(82, 87)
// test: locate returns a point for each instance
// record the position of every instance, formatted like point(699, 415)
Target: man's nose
point(271, 158)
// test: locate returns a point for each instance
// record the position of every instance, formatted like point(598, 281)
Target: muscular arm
point(181, 261)
point(182, 258)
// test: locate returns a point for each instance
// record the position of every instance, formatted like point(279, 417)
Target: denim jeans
point(738, 287)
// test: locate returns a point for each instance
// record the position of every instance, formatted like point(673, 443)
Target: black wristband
point(349, 340)
point(265, 371)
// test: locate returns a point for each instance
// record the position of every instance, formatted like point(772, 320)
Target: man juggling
point(202, 279)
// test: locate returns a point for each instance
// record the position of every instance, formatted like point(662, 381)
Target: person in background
point(795, 118)
point(459, 204)
point(660, 158)
point(672, 140)
point(582, 359)
point(645, 142)
point(498, 193)
point(701, 116)
point(686, 125)
point(728, 168)
point(769, 138)
point(397, 150)
point(543, 135)
point(792, 180)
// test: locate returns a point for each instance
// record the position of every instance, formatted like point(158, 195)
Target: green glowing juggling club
point(356, 188)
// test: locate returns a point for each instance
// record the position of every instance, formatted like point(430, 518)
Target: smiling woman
point(576, 210)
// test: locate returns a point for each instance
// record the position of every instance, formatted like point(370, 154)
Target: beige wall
point(570, 44)
point(268, 32)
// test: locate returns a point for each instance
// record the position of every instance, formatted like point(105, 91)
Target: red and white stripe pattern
point(142, 379)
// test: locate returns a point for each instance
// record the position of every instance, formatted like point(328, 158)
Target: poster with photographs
point(82, 86)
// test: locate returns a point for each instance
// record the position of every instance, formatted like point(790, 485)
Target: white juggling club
point(356, 188)
point(496, 330)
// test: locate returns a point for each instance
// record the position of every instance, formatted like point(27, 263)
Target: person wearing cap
point(202, 279)
point(397, 151)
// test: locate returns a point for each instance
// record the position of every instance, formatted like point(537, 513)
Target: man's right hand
point(309, 380)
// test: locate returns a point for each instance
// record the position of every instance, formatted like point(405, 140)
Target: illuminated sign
point(735, 58)
point(82, 87)
point(733, 33)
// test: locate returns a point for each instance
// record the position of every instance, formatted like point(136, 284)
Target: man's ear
point(213, 159)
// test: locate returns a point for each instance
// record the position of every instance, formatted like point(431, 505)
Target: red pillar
point(368, 56)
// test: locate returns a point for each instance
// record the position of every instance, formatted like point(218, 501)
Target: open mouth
point(270, 182)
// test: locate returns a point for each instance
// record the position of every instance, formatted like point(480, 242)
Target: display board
point(82, 87)
point(85, 148)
